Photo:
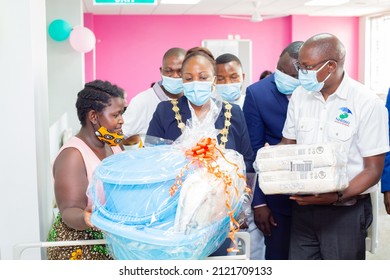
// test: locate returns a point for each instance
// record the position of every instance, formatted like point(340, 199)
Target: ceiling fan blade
point(256, 4)
point(235, 17)
point(273, 16)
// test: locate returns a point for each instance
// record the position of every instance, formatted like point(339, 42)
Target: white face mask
point(229, 92)
point(172, 85)
point(285, 83)
point(198, 93)
point(309, 81)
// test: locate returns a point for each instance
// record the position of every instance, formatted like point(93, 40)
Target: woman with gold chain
point(198, 106)
point(201, 113)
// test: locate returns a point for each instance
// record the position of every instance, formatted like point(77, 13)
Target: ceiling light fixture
point(326, 2)
point(178, 2)
point(124, 2)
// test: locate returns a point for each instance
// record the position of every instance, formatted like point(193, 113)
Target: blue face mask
point(309, 81)
point(285, 83)
point(198, 93)
point(229, 92)
point(172, 85)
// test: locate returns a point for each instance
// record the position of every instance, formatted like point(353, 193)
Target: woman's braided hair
point(96, 95)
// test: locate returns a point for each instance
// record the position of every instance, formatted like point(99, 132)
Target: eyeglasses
point(304, 69)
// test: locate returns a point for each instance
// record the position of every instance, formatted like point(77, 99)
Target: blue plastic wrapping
point(132, 187)
point(159, 203)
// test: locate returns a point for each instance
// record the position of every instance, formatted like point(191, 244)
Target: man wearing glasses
point(332, 107)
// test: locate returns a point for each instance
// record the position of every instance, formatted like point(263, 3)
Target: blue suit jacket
point(265, 110)
point(164, 125)
point(385, 180)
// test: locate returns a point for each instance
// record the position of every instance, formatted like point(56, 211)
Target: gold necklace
point(224, 131)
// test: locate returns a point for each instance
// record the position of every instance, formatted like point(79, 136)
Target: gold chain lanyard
point(224, 131)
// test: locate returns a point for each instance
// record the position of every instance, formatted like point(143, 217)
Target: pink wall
point(345, 28)
point(129, 49)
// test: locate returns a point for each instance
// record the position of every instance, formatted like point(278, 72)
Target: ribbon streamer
point(204, 154)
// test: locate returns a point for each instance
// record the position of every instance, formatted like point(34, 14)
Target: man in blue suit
point(265, 109)
point(385, 180)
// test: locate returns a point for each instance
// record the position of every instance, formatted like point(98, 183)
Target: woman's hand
point(87, 215)
point(386, 197)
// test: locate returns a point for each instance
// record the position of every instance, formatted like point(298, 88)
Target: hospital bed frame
point(243, 240)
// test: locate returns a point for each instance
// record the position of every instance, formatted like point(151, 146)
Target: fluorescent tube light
point(326, 2)
point(178, 2)
point(124, 2)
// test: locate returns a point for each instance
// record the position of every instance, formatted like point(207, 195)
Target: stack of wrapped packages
point(170, 201)
point(302, 169)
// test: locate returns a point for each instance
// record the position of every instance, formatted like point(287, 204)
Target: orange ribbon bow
point(204, 154)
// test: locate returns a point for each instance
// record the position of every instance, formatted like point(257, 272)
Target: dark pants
point(277, 245)
point(330, 232)
point(222, 250)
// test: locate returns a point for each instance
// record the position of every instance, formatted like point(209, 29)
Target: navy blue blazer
point(164, 125)
point(385, 180)
point(265, 110)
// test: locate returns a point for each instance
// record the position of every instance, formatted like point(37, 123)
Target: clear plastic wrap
point(302, 169)
point(169, 201)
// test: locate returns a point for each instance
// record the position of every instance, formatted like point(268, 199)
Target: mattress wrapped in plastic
point(302, 169)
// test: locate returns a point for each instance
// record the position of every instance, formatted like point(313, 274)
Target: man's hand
point(132, 140)
point(386, 200)
point(264, 219)
point(319, 199)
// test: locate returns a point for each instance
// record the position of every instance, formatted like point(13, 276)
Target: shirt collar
point(341, 91)
point(209, 118)
point(160, 92)
point(239, 101)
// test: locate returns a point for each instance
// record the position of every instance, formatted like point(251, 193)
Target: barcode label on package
point(302, 165)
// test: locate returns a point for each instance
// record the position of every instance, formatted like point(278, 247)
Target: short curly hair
point(96, 95)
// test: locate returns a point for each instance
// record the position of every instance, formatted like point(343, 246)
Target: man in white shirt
point(330, 106)
point(142, 106)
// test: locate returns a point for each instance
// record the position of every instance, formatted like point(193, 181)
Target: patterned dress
point(61, 232)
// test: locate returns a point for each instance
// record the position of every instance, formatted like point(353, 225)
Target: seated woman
point(199, 78)
point(99, 108)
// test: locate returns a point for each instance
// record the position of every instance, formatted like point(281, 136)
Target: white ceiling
point(244, 7)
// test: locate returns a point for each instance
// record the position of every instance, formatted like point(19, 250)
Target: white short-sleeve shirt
point(140, 111)
point(353, 115)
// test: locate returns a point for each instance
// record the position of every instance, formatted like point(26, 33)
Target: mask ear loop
point(213, 89)
point(94, 118)
point(327, 77)
point(97, 133)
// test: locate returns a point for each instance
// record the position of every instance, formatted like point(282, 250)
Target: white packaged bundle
point(302, 169)
point(300, 157)
point(318, 180)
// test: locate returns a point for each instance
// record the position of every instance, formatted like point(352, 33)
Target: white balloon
point(82, 39)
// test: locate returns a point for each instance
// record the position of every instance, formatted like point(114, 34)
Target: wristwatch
point(339, 197)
